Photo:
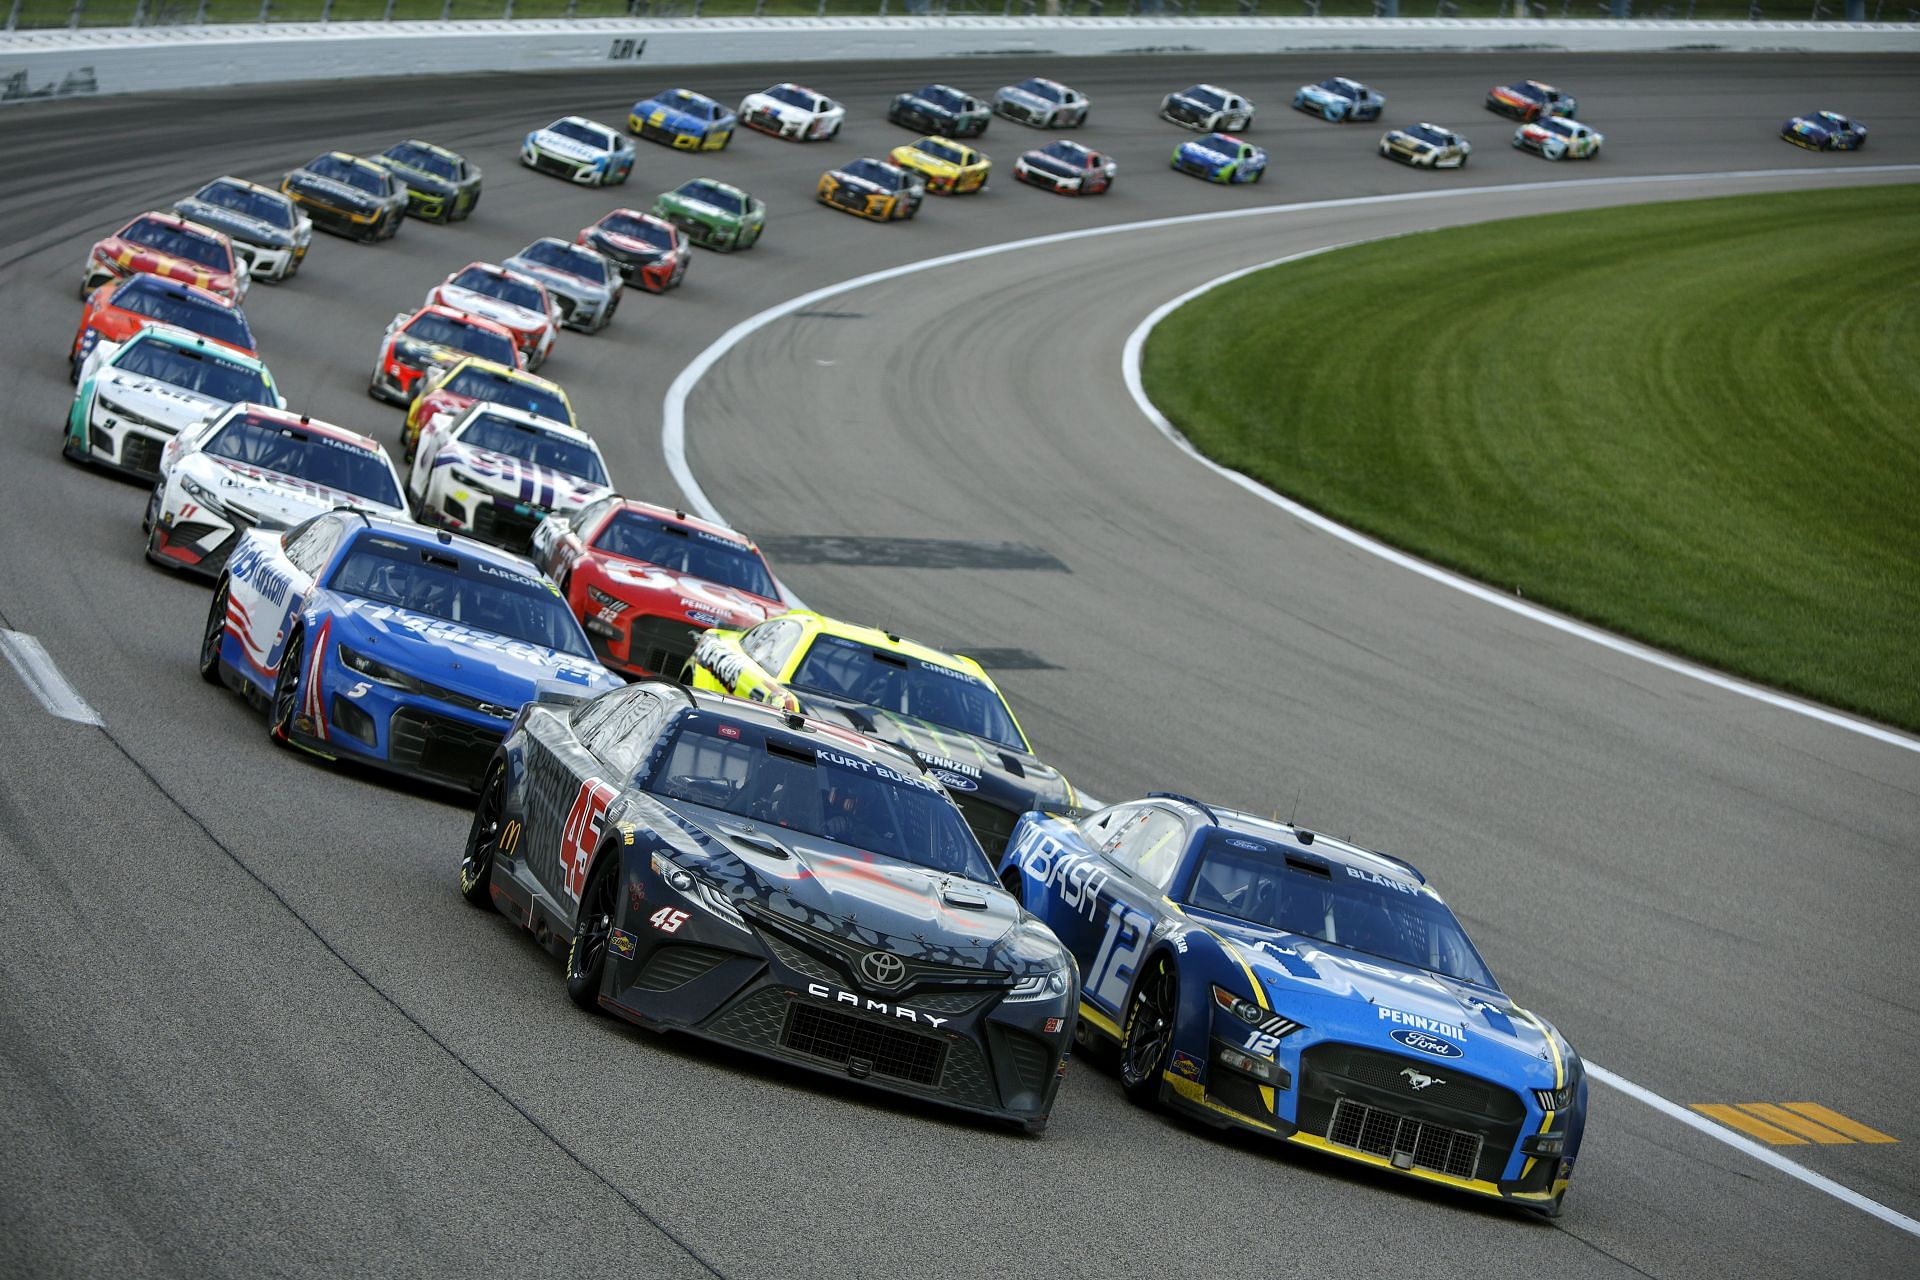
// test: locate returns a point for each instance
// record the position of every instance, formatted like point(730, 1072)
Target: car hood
point(488, 307)
point(1013, 93)
point(161, 403)
point(564, 146)
point(1051, 164)
point(631, 246)
point(237, 225)
point(1208, 154)
point(551, 276)
point(1395, 1007)
point(672, 117)
point(140, 257)
point(785, 110)
point(268, 498)
point(708, 604)
point(306, 183)
point(485, 666)
point(520, 480)
point(698, 208)
point(1408, 140)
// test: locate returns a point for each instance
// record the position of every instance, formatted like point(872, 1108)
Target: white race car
point(1426, 146)
point(267, 228)
point(1206, 108)
point(507, 298)
point(260, 466)
point(792, 111)
point(1042, 103)
point(495, 473)
point(1558, 138)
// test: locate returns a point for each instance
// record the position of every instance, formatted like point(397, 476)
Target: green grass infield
point(1697, 424)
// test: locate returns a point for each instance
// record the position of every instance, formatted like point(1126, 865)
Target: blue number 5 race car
point(1262, 977)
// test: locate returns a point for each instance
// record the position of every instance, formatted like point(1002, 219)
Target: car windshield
point(1554, 125)
point(817, 789)
point(1071, 152)
point(1527, 90)
point(562, 256)
point(641, 229)
point(880, 175)
point(516, 293)
point(573, 132)
point(529, 443)
point(714, 194)
point(1339, 87)
point(179, 242)
point(1263, 883)
point(941, 96)
point(415, 156)
point(200, 370)
point(792, 96)
point(1205, 97)
point(364, 177)
point(1218, 142)
point(271, 444)
point(682, 100)
point(445, 331)
point(1044, 89)
point(274, 210)
point(1425, 134)
point(907, 686)
point(473, 383)
point(682, 549)
point(146, 296)
point(441, 583)
point(940, 151)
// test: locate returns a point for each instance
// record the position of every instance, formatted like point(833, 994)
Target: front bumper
point(679, 139)
point(270, 261)
point(501, 521)
point(862, 204)
point(1046, 181)
point(581, 172)
point(639, 644)
point(117, 442)
point(341, 222)
point(441, 741)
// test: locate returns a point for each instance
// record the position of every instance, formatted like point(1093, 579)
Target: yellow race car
point(872, 189)
point(452, 390)
point(941, 708)
point(949, 167)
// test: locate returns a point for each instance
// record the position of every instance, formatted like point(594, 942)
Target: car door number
point(581, 835)
point(1118, 958)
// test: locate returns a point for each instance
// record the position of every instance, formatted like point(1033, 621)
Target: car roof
point(517, 375)
point(890, 642)
point(458, 316)
point(583, 121)
point(671, 515)
point(306, 422)
point(179, 288)
point(424, 145)
point(1293, 839)
point(521, 416)
point(159, 331)
point(419, 535)
point(254, 187)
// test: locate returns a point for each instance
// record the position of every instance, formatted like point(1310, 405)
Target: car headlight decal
point(1252, 1014)
point(697, 890)
point(378, 671)
point(1039, 986)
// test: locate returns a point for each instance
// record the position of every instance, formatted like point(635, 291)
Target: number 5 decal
point(582, 834)
point(1119, 956)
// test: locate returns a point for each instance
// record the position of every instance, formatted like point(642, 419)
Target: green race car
point(713, 214)
point(441, 185)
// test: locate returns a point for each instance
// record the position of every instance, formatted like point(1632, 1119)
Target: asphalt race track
point(247, 1027)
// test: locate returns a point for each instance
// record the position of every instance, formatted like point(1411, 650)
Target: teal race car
point(713, 214)
point(442, 186)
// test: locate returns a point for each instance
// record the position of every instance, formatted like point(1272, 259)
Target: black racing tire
point(151, 516)
point(211, 635)
point(1146, 1039)
point(286, 689)
point(587, 956)
point(483, 835)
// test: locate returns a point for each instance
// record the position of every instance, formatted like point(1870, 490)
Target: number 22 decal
point(1119, 956)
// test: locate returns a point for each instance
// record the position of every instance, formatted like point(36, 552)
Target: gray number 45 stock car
point(777, 884)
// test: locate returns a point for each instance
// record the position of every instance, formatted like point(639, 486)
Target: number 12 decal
point(1119, 956)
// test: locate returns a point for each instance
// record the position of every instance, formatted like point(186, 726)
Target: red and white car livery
point(495, 473)
point(257, 466)
point(168, 245)
point(1066, 168)
point(650, 251)
point(792, 111)
point(518, 303)
point(435, 338)
point(646, 580)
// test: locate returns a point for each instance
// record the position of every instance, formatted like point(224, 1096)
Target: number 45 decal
point(667, 920)
point(581, 835)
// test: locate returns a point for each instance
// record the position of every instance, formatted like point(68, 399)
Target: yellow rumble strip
point(1787, 1124)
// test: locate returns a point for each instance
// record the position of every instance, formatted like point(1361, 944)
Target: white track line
point(43, 679)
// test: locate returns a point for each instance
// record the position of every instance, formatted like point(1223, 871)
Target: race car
point(348, 196)
point(1263, 977)
point(1559, 139)
point(170, 246)
point(266, 228)
point(775, 884)
point(1221, 157)
point(137, 395)
point(949, 167)
point(451, 390)
point(1042, 103)
point(583, 285)
point(941, 109)
point(256, 466)
point(580, 150)
point(683, 120)
point(378, 641)
point(872, 189)
point(1067, 168)
point(442, 186)
point(792, 111)
point(1825, 131)
point(1530, 100)
point(115, 312)
point(494, 473)
point(1426, 146)
point(649, 251)
point(435, 338)
point(1339, 99)
point(940, 707)
point(1205, 108)
point(517, 303)
point(713, 214)
point(645, 581)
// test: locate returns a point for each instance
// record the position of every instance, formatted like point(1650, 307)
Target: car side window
point(1148, 844)
point(309, 549)
point(771, 643)
point(627, 733)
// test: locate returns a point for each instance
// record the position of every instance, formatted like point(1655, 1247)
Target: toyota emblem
point(883, 968)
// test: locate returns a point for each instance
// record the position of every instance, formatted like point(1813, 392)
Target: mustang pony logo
point(1418, 1080)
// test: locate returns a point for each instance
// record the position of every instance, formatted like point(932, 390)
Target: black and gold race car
point(442, 185)
point(873, 189)
point(776, 883)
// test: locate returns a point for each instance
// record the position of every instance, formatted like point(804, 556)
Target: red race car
point(166, 244)
point(645, 581)
point(650, 251)
point(115, 312)
point(1067, 168)
point(435, 338)
point(520, 303)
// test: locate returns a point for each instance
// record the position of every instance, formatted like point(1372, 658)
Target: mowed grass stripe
point(1697, 424)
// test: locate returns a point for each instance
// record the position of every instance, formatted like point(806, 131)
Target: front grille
point(847, 198)
point(991, 824)
point(1239, 1092)
point(1014, 111)
point(545, 163)
point(835, 1037)
point(1032, 1060)
point(1381, 1133)
point(844, 954)
point(1200, 167)
point(1428, 1091)
point(1186, 115)
point(504, 526)
point(661, 645)
point(141, 453)
point(1041, 178)
point(439, 746)
point(801, 962)
point(764, 117)
point(677, 964)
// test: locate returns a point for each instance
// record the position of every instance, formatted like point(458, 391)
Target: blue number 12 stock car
point(1259, 976)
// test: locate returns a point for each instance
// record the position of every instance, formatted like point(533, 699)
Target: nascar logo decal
point(1421, 1042)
